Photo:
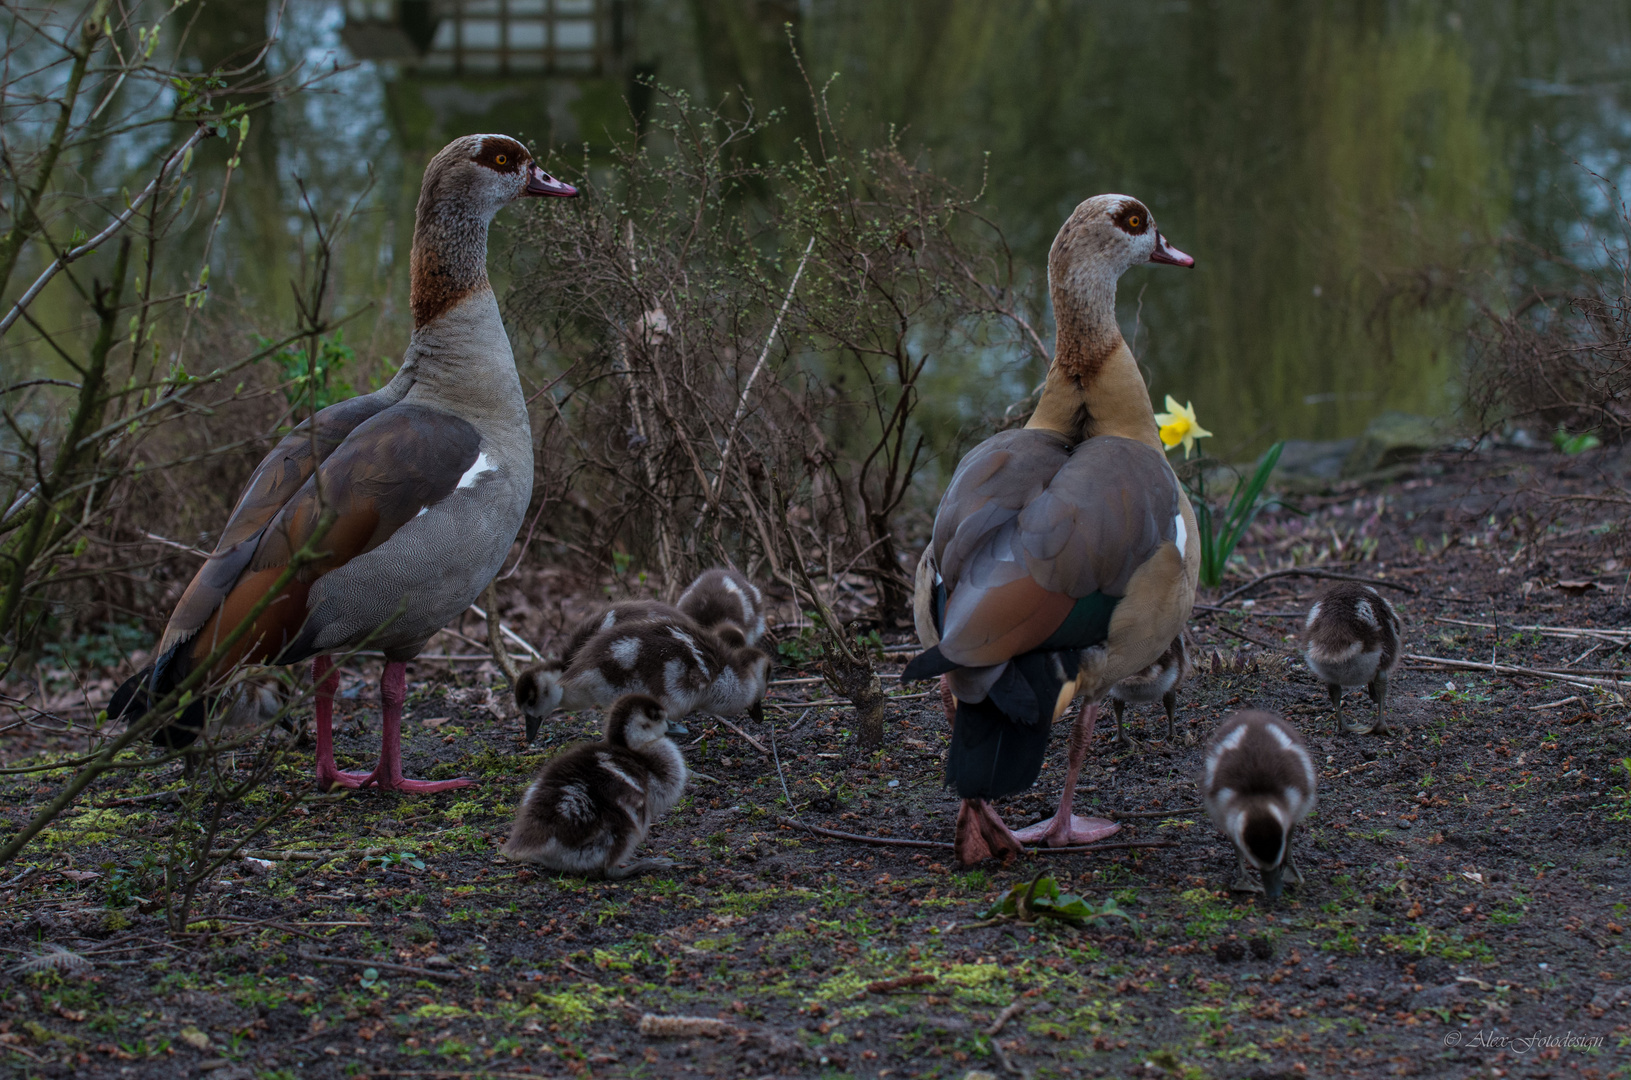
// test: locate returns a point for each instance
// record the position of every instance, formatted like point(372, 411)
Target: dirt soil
point(1464, 911)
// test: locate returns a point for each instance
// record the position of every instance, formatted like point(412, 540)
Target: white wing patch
point(1183, 533)
point(626, 651)
point(609, 621)
point(611, 766)
point(481, 467)
point(1314, 613)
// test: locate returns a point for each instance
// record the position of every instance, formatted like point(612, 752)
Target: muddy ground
point(1464, 913)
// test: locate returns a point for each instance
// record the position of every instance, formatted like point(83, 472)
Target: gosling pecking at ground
point(685, 670)
point(591, 806)
point(1259, 782)
point(1158, 682)
point(1351, 638)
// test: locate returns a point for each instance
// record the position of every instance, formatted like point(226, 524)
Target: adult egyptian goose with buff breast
point(1064, 556)
point(427, 478)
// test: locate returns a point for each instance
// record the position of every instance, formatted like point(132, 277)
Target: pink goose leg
point(1065, 828)
point(387, 775)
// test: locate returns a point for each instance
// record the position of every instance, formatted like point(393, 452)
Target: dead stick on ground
point(1507, 669)
point(1255, 582)
point(894, 841)
point(380, 965)
point(755, 743)
point(1254, 641)
point(1013, 1009)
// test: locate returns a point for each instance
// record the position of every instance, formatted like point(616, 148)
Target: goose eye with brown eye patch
point(1134, 221)
point(501, 160)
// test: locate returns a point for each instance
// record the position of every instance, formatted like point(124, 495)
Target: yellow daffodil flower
point(1178, 425)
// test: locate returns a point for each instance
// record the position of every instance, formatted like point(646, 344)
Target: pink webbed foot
point(387, 775)
point(982, 835)
point(1067, 831)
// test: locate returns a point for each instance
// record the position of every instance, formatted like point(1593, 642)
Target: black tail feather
point(992, 756)
point(132, 700)
point(997, 745)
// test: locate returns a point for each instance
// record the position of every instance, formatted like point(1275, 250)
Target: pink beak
point(541, 183)
point(1166, 253)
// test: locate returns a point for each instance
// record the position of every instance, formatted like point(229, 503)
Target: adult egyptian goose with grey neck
point(1064, 556)
point(427, 478)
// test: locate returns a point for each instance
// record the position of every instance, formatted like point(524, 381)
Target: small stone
point(439, 961)
point(1229, 951)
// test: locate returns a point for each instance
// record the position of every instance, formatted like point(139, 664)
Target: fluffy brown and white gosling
point(1158, 682)
point(591, 806)
point(624, 611)
point(1258, 783)
point(1351, 638)
point(682, 668)
point(725, 595)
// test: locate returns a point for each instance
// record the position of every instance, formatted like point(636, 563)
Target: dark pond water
point(1354, 179)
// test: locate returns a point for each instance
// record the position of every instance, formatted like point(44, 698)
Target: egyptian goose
point(1065, 555)
point(1258, 783)
point(428, 477)
point(676, 662)
point(724, 595)
point(1158, 682)
point(592, 805)
point(1351, 638)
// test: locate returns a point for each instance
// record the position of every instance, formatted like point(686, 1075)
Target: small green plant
point(1040, 898)
point(1574, 444)
point(1221, 531)
point(401, 858)
point(315, 384)
point(1619, 804)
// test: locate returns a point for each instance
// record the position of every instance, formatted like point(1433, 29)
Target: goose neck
point(448, 261)
point(1094, 386)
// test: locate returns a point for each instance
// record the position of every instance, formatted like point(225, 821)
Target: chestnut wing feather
point(275, 481)
point(390, 468)
point(1030, 526)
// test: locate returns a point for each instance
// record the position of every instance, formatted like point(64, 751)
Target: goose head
point(482, 174)
point(1103, 237)
point(636, 721)
point(470, 180)
point(1259, 831)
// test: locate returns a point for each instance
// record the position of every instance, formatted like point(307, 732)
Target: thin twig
point(1507, 669)
point(755, 743)
point(791, 809)
point(1328, 574)
point(896, 841)
point(1013, 1009)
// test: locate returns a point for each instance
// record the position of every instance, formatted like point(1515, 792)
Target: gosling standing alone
point(685, 669)
point(1258, 784)
point(590, 807)
point(1351, 638)
point(1158, 682)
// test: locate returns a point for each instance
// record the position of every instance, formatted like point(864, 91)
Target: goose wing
point(385, 470)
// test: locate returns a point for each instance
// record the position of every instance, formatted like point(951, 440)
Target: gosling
point(1258, 785)
point(725, 595)
point(591, 806)
point(1351, 638)
point(624, 611)
point(1158, 682)
point(683, 669)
